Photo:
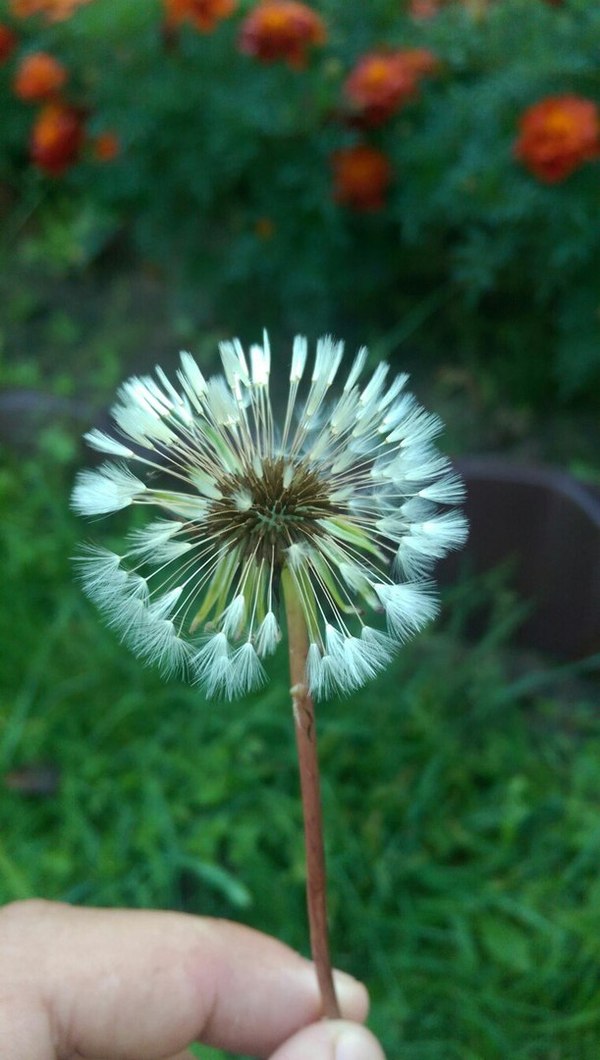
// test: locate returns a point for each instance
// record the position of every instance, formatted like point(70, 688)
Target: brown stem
point(306, 741)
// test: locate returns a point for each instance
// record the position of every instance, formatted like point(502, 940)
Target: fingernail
point(356, 1043)
point(352, 995)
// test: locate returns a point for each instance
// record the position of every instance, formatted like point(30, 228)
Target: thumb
point(331, 1040)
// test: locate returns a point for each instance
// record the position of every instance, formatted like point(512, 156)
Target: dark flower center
point(267, 513)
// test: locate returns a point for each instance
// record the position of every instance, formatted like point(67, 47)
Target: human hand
point(102, 984)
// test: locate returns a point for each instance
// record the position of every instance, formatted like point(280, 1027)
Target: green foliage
point(461, 802)
point(225, 180)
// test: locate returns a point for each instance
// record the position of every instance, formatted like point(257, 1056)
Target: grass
point(461, 797)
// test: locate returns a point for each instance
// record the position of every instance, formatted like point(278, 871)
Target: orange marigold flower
point(557, 135)
point(202, 14)
point(382, 82)
point(8, 42)
point(379, 84)
point(424, 9)
point(38, 77)
point(361, 175)
point(282, 29)
point(106, 146)
point(56, 138)
point(51, 10)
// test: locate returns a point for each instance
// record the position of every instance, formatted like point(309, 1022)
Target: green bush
point(224, 179)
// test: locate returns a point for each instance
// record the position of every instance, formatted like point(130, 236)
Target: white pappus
point(348, 497)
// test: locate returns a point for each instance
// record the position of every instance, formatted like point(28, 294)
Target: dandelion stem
point(306, 741)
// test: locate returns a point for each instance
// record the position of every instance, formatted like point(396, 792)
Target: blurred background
point(422, 177)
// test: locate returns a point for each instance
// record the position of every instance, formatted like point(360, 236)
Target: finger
point(143, 985)
point(331, 1040)
point(186, 1055)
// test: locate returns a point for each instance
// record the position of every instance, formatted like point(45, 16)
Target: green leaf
point(506, 943)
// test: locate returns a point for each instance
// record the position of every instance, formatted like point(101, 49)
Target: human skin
point(117, 984)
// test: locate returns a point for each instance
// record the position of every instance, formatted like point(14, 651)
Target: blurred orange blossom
point(282, 29)
point(51, 10)
point(56, 138)
point(8, 42)
point(557, 135)
point(381, 82)
point(203, 15)
point(38, 77)
point(106, 146)
point(361, 175)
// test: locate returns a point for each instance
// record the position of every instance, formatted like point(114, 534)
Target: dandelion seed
point(107, 490)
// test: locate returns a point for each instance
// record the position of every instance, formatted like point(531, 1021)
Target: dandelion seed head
point(346, 495)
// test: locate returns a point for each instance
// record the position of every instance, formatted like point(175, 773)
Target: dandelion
point(558, 135)
point(340, 506)
point(39, 77)
point(334, 513)
point(282, 29)
point(361, 177)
